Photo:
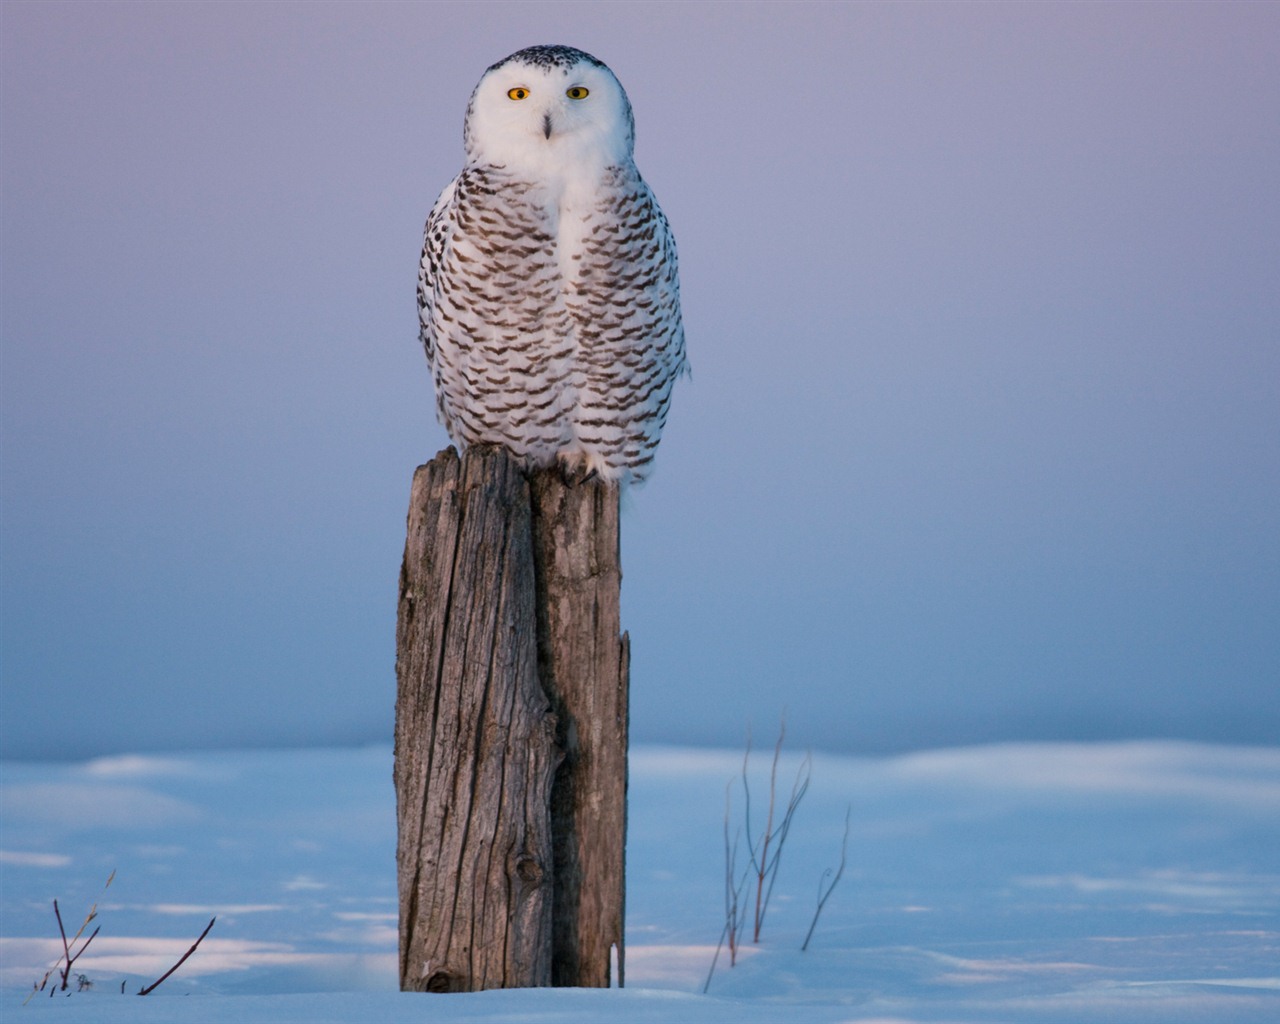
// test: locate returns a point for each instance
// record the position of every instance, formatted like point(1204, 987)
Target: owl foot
point(576, 468)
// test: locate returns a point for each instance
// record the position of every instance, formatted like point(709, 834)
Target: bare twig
point(824, 894)
point(798, 790)
point(67, 955)
point(706, 985)
point(761, 865)
point(66, 946)
point(763, 860)
point(731, 891)
point(70, 954)
point(66, 950)
point(734, 913)
point(181, 960)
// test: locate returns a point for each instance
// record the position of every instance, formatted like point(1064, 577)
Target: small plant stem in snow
point(67, 955)
point(181, 960)
point(824, 894)
point(764, 860)
point(66, 946)
point(733, 910)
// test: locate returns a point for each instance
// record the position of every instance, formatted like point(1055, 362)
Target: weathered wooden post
point(475, 741)
point(584, 662)
point(511, 729)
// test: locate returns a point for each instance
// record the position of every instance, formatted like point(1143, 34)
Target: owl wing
point(676, 360)
point(487, 296)
point(434, 245)
point(627, 313)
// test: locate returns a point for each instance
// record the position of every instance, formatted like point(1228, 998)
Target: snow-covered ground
point(1034, 883)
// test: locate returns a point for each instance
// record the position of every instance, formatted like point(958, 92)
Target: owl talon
point(576, 469)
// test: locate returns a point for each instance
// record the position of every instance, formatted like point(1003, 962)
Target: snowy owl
point(548, 293)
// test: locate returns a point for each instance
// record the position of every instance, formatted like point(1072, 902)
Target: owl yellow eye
point(577, 92)
point(518, 93)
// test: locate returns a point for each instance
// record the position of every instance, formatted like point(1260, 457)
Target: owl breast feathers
point(548, 291)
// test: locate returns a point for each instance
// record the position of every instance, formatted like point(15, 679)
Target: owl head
point(548, 106)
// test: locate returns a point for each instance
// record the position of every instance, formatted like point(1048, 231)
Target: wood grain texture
point(583, 659)
point(511, 729)
point(475, 738)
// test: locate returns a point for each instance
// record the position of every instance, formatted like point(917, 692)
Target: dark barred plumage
point(549, 56)
point(548, 289)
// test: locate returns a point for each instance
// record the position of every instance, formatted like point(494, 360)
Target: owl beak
point(546, 125)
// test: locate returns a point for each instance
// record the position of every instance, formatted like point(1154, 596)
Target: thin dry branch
point(70, 954)
point(181, 960)
point(67, 956)
point(66, 950)
point(734, 911)
point(66, 946)
point(823, 895)
point(764, 860)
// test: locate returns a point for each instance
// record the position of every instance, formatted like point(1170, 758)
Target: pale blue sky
point(983, 305)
